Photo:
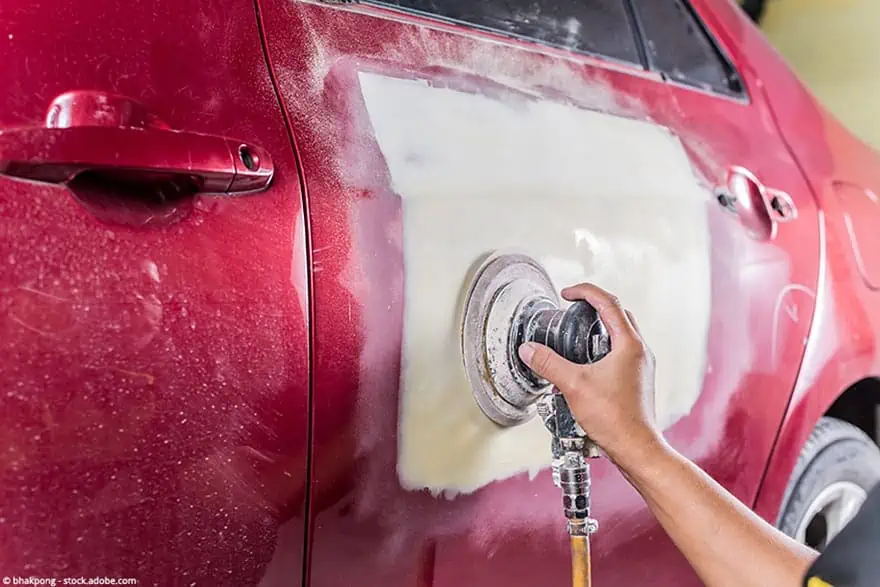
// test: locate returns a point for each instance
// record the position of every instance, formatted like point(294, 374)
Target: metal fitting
point(582, 527)
point(574, 477)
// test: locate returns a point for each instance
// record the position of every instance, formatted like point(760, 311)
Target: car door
point(428, 137)
point(153, 340)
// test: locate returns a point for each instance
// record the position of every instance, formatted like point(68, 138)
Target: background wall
point(834, 46)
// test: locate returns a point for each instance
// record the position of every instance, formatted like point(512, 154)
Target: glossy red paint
point(157, 352)
point(860, 208)
point(154, 345)
point(195, 162)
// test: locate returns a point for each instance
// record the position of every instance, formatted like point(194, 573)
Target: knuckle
point(645, 354)
point(638, 352)
point(635, 348)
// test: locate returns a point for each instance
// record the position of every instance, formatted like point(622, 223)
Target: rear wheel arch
point(859, 404)
point(845, 398)
point(839, 453)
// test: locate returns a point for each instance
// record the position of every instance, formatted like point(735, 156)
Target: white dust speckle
point(573, 28)
point(152, 270)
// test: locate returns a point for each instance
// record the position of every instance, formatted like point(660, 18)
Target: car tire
point(754, 8)
point(837, 467)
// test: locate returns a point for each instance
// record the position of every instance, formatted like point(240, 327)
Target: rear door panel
point(154, 358)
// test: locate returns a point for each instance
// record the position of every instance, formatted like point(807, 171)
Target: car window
point(597, 27)
point(677, 45)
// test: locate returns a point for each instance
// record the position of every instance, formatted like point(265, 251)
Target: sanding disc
point(501, 288)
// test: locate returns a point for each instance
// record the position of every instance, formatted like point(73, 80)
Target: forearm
point(725, 542)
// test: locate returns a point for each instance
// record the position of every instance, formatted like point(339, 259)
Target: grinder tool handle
point(582, 337)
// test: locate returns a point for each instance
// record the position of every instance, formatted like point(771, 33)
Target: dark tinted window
point(678, 46)
point(600, 27)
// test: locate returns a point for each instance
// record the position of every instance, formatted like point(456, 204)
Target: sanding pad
point(502, 287)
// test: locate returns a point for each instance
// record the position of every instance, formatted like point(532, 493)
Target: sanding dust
point(467, 52)
point(593, 197)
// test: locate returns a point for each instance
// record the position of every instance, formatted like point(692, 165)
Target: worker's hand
point(612, 399)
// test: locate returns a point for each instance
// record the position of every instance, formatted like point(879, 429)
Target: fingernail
point(526, 352)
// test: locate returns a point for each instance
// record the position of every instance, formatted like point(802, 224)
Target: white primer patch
point(592, 196)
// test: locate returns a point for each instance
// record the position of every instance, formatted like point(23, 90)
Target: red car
point(234, 237)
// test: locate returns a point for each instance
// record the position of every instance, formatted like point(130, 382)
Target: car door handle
point(76, 139)
point(57, 155)
point(760, 209)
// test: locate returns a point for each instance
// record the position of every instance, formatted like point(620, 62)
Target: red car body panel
point(154, 365)
point(843, 348)
point(206, 392)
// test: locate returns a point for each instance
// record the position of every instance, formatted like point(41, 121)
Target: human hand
point(612, 399)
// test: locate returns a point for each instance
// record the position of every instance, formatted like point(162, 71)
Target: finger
point(635, 325)
point(609, 308)
point(547, 364)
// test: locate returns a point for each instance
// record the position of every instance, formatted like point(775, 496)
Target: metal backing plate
point(501, 285)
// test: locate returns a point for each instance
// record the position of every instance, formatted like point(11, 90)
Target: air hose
point(580, 561)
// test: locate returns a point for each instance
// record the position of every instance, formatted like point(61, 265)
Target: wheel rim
point(829, 512)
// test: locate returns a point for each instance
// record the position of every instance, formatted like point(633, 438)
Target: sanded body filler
point(591, 196)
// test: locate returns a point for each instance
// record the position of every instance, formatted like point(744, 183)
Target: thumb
point(547, 364)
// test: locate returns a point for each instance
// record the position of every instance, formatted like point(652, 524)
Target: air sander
point(512, 301)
